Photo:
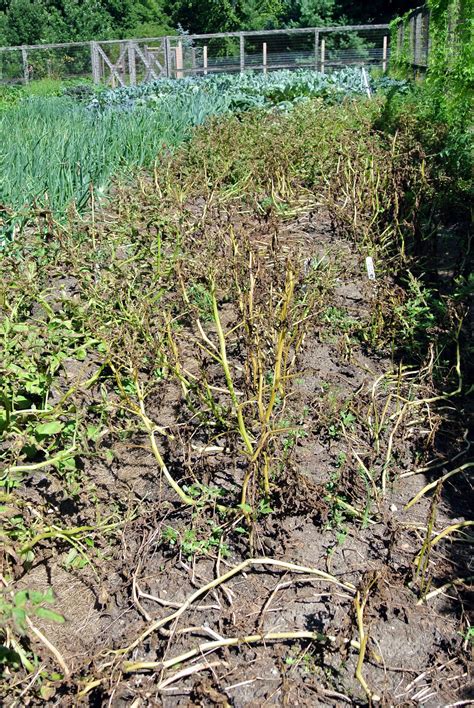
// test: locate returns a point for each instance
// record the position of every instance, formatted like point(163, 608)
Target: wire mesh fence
point(322, 49)
point(61, 61)
point(128, 62)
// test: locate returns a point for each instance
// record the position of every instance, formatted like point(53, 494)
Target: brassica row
point(247, 90)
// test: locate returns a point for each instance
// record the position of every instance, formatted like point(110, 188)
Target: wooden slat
point(114, 68)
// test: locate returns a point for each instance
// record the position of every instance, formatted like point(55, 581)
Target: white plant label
point(369, 264)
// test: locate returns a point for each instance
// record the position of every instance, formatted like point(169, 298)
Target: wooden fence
point(412, 45)
point(132, 61)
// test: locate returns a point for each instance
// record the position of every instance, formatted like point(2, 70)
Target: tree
point(138, 17)
point(260, 14)
point(310, 13)
point(375, 11)
point(22, 22)
point(202, 16)
point(36, 21)
point(81, 19)
point(48, 21)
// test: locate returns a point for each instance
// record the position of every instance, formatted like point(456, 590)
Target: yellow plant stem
point(206, 647)
point(452, 583)
point(66, 534)
point(360, 603)
point(447, 532)
point(282, 341)
point(162, 465)
point(438, 481)
point(151, 429)
point(228, 376)
point(49, 646)
point(61, 456)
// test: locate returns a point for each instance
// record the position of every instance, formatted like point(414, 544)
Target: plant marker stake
point(366, 83)
point(369, 264)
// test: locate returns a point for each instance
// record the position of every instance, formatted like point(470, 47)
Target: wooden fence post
point(316, 49)
point(384, 53)
point(26, 70)
point(323, 55)
point(400, 40)
point(204, 59)
point(179, 60)
point(132, 67)
point(95, 62)
point(418, 27)
point(242, 53)
point(427, 39)
point(122, 66)
point(264, 57)
point(167, 53)
point(412, 40)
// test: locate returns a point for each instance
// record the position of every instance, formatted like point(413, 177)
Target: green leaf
point(48, 596)
point(71, 556)
point(21, 597)
point(19, 617)
point(93, 432)
point(51, 428)
point(55, 676)
point(47, 692)
point(109, 456)
point(48, 614)
point(36, 597)
point(69, 464)
point(246, 508)
point(22, 402)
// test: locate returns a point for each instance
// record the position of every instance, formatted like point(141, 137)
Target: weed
point(23, 603)
point(346, 421)
point(339, 320)
point(196, 542)
point(200, 297)
point(16, 627)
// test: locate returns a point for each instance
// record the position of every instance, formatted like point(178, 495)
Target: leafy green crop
point(54, 150)
point(244, 91)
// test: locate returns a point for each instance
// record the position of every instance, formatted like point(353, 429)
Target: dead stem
point(437, 482)
point(249, 563)
point(360, 602)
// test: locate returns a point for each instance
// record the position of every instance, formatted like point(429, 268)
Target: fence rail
point(131, 61)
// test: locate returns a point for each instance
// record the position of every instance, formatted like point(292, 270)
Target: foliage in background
point(451, 62)
point(450, 74)
point(48, 21)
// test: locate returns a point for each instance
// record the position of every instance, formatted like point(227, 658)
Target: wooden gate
point(128, 63)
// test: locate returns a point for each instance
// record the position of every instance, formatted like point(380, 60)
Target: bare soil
point(416, 654)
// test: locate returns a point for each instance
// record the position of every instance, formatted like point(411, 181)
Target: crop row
point(53, 151)
point(249, 90)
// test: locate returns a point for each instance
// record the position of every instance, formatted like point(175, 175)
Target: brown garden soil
point(244, 516)
point(326, 511)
